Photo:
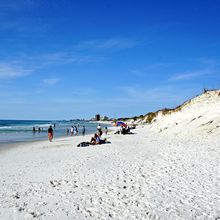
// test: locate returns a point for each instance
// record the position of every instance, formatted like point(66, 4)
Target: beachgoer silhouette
point(99, 129)
point(71, 131)
point(106, 130)
point(50, 133)
point(76, 130)
point(67, 131)
point(83, 131)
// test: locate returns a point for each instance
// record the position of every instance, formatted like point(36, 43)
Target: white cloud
point(8, 71)
point(150, 69)
point(51, 81)
point(138, 73)
point(84, 92)
point(107, 44)
point(79, 95)
point(163, 94)
point(17, 5)
point(191, 74)
point(77, 100)
point(65, 58)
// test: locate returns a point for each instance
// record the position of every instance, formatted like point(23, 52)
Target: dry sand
point(141, 176)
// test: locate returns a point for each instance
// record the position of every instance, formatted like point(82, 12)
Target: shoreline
point(8, 146)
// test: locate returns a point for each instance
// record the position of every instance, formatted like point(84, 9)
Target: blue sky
point(72, 59)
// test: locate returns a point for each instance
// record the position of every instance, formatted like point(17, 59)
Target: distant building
point(97, 117)
point(104, 118)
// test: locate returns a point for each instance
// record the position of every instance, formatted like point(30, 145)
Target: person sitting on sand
point(97, 140)
point(126, 131)
point(93, 139)
point(50, 133)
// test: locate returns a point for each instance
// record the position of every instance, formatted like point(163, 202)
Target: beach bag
point(83, 144)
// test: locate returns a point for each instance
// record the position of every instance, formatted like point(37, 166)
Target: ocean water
point(13, 131)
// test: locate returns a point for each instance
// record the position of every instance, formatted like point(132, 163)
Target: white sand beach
point(139, 176)
point(151, 174)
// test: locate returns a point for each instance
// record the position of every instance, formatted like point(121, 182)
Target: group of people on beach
point(96, 139)
point(37, 129)
point(74, 130)
point(125, 130)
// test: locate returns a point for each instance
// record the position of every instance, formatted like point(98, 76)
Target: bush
point(150, 117)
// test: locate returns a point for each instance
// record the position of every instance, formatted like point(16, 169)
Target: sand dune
point(199, 116)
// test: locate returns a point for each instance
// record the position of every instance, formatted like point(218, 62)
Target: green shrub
point(150, 116)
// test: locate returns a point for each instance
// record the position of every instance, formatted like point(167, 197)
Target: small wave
point(5, 127)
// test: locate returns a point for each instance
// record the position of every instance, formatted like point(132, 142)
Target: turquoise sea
point(13, 131)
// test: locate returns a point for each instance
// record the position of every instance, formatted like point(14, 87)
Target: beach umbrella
point(121, 123)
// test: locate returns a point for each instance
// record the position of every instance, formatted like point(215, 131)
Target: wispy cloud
point(18, 5)
point(51, 81)
point(189, 75)
point(9, 71)
point(137, 73)
point(57, 57)
point(25, 64)
point(79, 95)
point(66, 58)
point(113, 43)
point(162, 94)
point(72, 100)
point(135, 93)
point(84, 92)
point(150, 69)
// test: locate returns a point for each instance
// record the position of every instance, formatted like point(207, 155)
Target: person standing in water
point(83, 130)
point(50, 133)
point(67, 131)
point(71, 130)
point(74, 130)
point(106, 130)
